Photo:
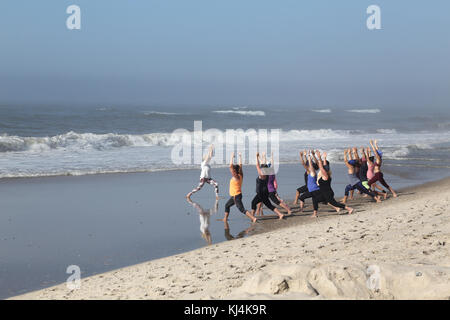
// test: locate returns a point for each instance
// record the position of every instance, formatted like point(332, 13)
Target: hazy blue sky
point(226, 52)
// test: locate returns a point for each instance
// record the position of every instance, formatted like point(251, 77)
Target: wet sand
point(395, 250)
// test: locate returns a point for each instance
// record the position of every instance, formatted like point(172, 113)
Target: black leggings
point(264, 198)
point(302, 189)
point(236, 200)
point(305, 195)
point(316, 198)
point(273, 198)
point(328, 197)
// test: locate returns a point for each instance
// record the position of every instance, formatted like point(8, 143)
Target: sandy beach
point(395, 250)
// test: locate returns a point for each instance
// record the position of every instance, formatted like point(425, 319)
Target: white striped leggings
point(207, 180)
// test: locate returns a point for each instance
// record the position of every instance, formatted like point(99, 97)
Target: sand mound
point(345, 280)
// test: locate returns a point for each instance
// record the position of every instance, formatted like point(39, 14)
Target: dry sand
point(399, 249)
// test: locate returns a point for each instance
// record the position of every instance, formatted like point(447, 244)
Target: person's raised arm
point(377, 156)
point(258, 167)
point(312, 172)
point(312, 156)
point(260, 159)
point(231, 163)
point(240, 164)
point(369, 154)
point(346, 152)
point(210, 153)
point(356, 153)
point(325, 158)
point(376, 145)
point(320, 164)
point(302, 159)
point(365, 155)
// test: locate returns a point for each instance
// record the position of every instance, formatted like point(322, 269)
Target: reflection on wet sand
point(204, 216)
point(241, 234)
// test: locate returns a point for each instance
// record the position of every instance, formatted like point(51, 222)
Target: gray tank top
point(353, 179)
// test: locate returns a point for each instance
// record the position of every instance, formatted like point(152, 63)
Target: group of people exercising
point(364, 174)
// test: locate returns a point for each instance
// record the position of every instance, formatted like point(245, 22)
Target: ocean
point(38, 141)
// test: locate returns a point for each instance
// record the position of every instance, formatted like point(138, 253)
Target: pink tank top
point(370, 172)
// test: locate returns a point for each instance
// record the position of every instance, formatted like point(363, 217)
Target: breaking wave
point(364, 110)
point(322, 110)
point(242, 112)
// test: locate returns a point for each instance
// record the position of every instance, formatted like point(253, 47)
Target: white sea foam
point(82, 141)
point(73, 141)
point(322, 110)
point(88, 153)
point(364, 110)
point(242, 112)
point(314, 135)
point(148, 113)
point(420, 146)
point(387, 131)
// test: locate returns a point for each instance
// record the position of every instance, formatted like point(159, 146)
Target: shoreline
point(195, 167)
point(282, 256)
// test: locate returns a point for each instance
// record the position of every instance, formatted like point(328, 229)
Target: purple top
point(270, 183)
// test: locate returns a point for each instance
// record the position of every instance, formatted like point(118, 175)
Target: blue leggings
point(359, 186)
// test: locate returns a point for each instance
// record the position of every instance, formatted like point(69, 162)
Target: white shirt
point(204, 222)
point(206, 170)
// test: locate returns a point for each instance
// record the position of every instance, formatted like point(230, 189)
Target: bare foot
point(281, 217)
point(385, 195)
point(350, 210)
point(289, 213)
point(254, 220)
point(377, 199)
point(313, 215)
point(338, 210)
point(394, 195)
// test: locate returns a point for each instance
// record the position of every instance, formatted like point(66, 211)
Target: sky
point(226, 52)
